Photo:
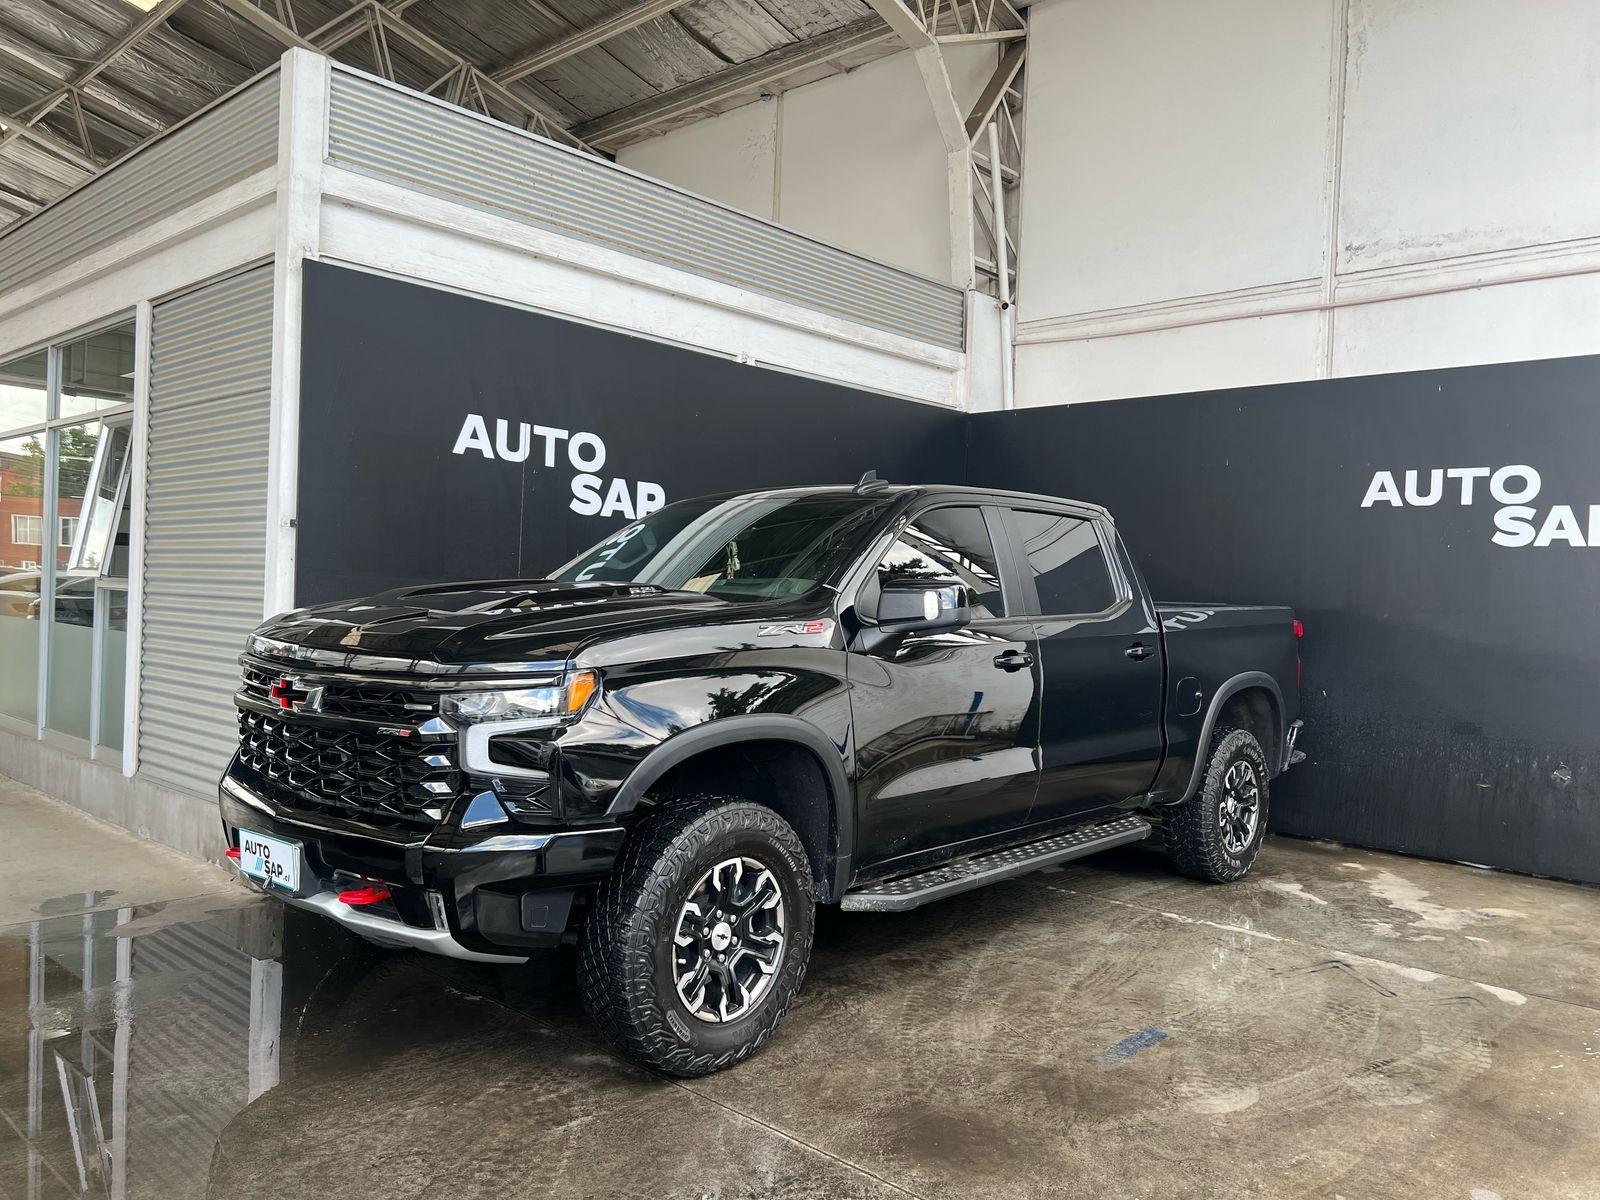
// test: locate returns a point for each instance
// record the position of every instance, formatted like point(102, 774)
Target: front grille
point(372, 777)
point(370, 701)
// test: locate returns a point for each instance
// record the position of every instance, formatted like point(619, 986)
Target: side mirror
point(918, 606)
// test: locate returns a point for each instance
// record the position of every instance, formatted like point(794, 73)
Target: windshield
point(749, 547)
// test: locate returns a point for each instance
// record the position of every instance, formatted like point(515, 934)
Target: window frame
point(51, 348)
point(49, 433)
point(999, 539)
point(1121, 586)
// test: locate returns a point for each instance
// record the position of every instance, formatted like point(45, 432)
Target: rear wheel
point(698, 940)
point(1216, 833)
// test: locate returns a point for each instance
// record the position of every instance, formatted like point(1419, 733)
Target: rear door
point(1100, 653)
point(946, 723)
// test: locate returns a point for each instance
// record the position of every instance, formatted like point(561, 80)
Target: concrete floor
point(1343, 1023)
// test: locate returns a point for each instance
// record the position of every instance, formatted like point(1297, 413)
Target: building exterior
point(151, 344)
point(1228, 194)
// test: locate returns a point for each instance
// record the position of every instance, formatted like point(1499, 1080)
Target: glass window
point(1069, 568)
point(948, 543)
point(21, 506)
point(27, 529)
point(78, 393)
point(755, 547)
point(88, 535)
point(113, 666)
point(90, 483)
point(22, 391)
point(97, 372)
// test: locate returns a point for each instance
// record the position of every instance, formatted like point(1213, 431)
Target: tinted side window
point(948, 542)
point(1069, 568)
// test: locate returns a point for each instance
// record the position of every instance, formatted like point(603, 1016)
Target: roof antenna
point(870, 483)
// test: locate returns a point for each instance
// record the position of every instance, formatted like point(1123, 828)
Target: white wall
point(855, 159)
point(1227, 192)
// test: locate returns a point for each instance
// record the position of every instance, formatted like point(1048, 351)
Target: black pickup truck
point(736, 708)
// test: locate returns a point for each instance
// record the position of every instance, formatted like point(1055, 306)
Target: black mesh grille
point(369, 776)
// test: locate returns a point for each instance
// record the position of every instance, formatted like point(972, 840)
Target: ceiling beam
point(994, 91)
point(583, 39)
point(27, 59)
point(46, 140)
point(265, 23)
point(73, 87)
point(908, 25)
point(18, 202)
point(757, 73)
point(984, 35)
point(382, 16)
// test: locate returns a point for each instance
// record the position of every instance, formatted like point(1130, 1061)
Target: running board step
point(912, 891)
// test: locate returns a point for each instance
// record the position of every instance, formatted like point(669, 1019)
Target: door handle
point(1013, 660)
point(1138, 651)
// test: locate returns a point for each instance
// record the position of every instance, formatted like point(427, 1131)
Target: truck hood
point(503, 621)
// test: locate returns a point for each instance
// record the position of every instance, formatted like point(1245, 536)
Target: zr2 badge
point(795, 628)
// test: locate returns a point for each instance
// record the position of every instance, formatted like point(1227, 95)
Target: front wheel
point(1215, 834)
point(698, 940)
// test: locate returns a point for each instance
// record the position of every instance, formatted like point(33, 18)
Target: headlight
point(523, 704)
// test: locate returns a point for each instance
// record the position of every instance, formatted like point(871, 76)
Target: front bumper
point(488, 898)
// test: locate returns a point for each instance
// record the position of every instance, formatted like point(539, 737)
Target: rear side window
point(1068, 566)
point(948, 542)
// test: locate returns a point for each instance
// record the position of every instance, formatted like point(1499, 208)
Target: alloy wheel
point(1240, 808)
point(729, 940)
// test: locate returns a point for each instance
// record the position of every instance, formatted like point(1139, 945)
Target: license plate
point(270, 860)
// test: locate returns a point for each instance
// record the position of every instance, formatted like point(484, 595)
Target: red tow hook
point(233, 853)
point(362, 896)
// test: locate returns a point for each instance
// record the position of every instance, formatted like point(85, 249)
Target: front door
point(1100, 735)
point(947, 723)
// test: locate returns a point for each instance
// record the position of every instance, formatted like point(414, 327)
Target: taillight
point(1299, 664)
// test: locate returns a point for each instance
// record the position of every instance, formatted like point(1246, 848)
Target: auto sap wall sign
point(443, 436)
point(592, 495)
point(1517, 522)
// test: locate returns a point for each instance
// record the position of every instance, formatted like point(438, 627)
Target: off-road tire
point(1192, 831)
point(626, 952)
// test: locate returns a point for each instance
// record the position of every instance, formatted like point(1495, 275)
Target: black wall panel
point(391, 370)
point(1451, 695)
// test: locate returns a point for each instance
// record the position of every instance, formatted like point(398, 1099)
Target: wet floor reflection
point(130, 1038)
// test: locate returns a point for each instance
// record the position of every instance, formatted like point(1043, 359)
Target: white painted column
point(302, 146)
point(139, 449)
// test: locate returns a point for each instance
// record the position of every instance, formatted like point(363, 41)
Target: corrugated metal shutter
point(205, 522)
point(235, 139)
point(384, 131)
